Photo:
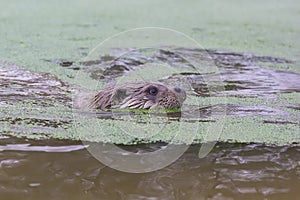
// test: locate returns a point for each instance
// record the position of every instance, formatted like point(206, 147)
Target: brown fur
point(143, 95)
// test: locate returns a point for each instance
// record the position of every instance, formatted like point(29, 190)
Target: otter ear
point(118, 96)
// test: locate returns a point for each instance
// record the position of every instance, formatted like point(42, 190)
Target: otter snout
point(180, 93)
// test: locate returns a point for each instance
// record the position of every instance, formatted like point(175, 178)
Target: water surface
point(42, 157)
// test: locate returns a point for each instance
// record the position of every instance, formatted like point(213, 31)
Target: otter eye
point(153, 90)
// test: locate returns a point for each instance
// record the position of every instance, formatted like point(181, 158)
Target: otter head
point(142, 95)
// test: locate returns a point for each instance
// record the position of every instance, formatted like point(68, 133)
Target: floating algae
point(255, 106)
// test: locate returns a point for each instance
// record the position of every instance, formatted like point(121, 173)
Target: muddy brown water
point(64, 169)
point(230, 171)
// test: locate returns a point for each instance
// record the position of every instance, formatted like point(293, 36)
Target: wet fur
point(135, 95)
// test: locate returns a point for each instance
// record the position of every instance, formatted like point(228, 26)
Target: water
point(230, 171)
point(38, 161)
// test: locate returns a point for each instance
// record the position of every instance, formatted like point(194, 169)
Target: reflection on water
point(230, 171)
point(63, 169)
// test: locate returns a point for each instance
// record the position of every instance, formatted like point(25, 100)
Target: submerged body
point(139, 95)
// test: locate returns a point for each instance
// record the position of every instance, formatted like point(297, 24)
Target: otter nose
point(180, 93)
point(177, 89)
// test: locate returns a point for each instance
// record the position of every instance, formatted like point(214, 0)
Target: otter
point(139, 95)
